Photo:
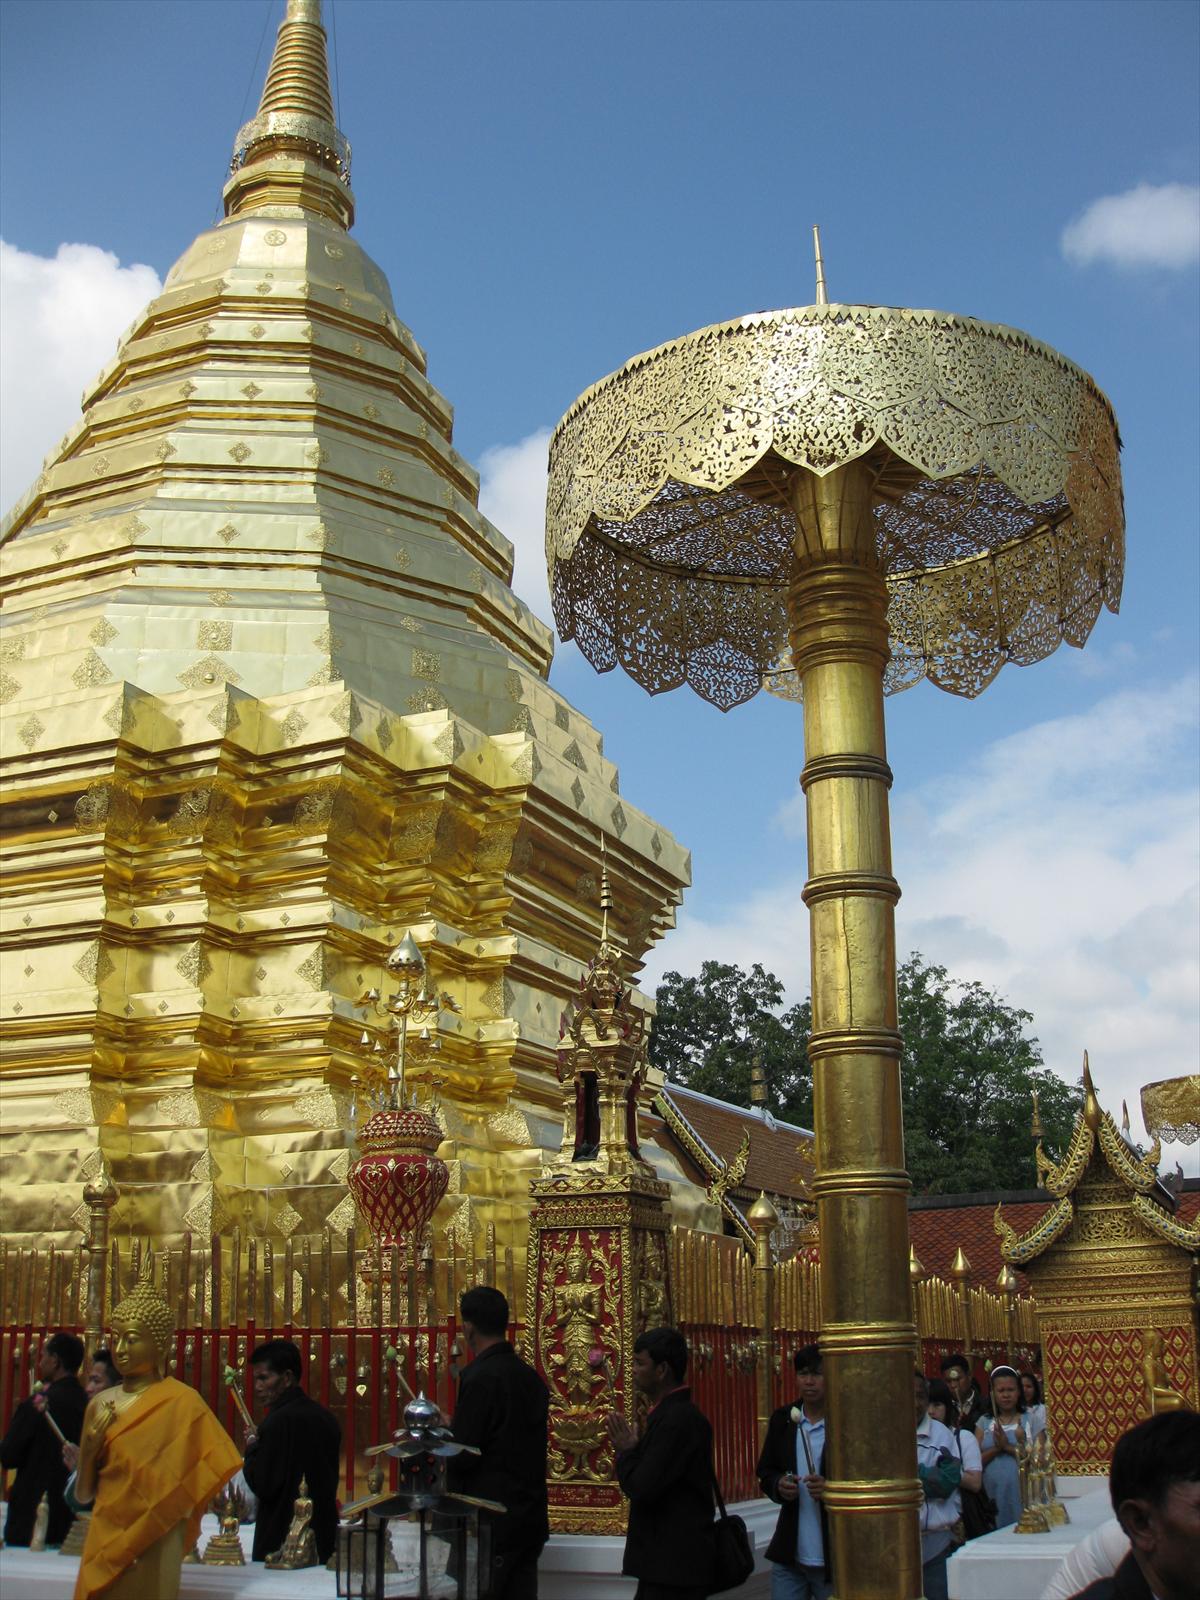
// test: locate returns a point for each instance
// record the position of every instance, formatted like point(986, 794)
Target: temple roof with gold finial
point(1098, 1148)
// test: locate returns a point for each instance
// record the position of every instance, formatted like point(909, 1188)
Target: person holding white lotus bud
point(791, 1471)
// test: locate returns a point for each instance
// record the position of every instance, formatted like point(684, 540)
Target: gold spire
point(1091, 1106)
point(292, 157)
point(822, 294)
point(298, 79)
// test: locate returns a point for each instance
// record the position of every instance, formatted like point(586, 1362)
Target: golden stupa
point(269, 702)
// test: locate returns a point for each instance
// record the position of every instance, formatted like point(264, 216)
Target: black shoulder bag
point(733, 1554)
point(978, 1507)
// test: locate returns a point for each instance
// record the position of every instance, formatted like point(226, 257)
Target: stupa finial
point(292, 154)
point(822, 294)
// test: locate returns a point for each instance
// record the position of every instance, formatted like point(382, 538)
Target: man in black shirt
point(956, 1370)
point(31, 1447)
point(502, 1408)
point(296, 1439)
point(667, 1476)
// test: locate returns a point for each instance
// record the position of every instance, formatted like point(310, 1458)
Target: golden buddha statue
point(151, 1457)
point(1161, 1393)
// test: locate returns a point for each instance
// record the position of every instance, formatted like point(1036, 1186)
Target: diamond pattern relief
point(574, 755)
point(91, 672)
point(240, 452)
point(312, 970)
point(194, 965)
point(342, 1217)
point(9, 688)
point(103, 633)
point(95, 964)
point(286, 1218)
point(207, 1216)
point(292, 727)
point(207, 671)
point(577, 793)
point(346, 714)
point(619, 821)
point(227, 533)
point(214, 635)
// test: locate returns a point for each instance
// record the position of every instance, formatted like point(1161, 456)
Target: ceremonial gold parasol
point(1171, 1108)
point(832, 502)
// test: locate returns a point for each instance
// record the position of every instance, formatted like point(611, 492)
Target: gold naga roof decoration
point(709, 1163)
point(1137, 1172)
point(999, 509)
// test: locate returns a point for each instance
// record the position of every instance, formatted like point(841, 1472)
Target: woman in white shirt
point(999, 1437)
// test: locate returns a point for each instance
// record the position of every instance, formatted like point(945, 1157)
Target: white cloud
point(1152, 225)
point(60, 319)
point(1060, 867)
point(512, 494)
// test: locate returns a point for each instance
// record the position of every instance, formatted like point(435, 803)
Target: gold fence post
point(763, 1218)
point(916, 1275)
point(1007, 1285)
point(960, 1271)
point(99, 1196)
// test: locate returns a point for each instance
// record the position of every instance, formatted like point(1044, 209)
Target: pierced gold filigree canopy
point(1171, 1108)
point(998, 504)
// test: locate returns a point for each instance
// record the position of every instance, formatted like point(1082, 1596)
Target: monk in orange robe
point(151, 1458)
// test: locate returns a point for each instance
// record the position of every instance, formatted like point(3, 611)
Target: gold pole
point(763, 1217)
point(99, 1197)
point(837, 603)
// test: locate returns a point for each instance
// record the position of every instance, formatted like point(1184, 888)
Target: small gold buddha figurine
point(299, 1549)
point(1034, 1518)
point(76, 1537)
point(224, 1549)
point(41, 1521)
point(1055, 1508)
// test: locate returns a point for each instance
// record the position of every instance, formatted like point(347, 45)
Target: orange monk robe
point(164, 1458)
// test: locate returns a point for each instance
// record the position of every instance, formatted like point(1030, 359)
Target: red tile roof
point(936, 1232)
point(780, 1159)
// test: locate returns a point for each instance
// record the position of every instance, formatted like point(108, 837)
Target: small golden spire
point(822, 295)
point(1091, 1106)
point(292, 154)
point(606, 899)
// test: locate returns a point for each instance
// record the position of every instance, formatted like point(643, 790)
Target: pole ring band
point(837, 885)
point(855, 1041)
point(882, 1180)
point(845, 766)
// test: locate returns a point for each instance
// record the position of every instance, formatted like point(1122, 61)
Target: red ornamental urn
point(398, 1179)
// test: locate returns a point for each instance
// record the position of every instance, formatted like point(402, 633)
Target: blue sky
point(551, 188)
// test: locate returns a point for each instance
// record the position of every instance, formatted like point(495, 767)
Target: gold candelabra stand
point(410, 1006)
point(833, 502)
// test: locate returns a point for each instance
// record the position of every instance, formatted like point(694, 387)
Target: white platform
point(1002, 1566)
point(573, 1567)
point(1018, 1566)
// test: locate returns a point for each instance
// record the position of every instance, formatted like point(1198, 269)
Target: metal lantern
point(399, 1553)
point(423, 1541)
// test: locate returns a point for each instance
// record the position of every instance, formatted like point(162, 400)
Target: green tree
point(969, 1068)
